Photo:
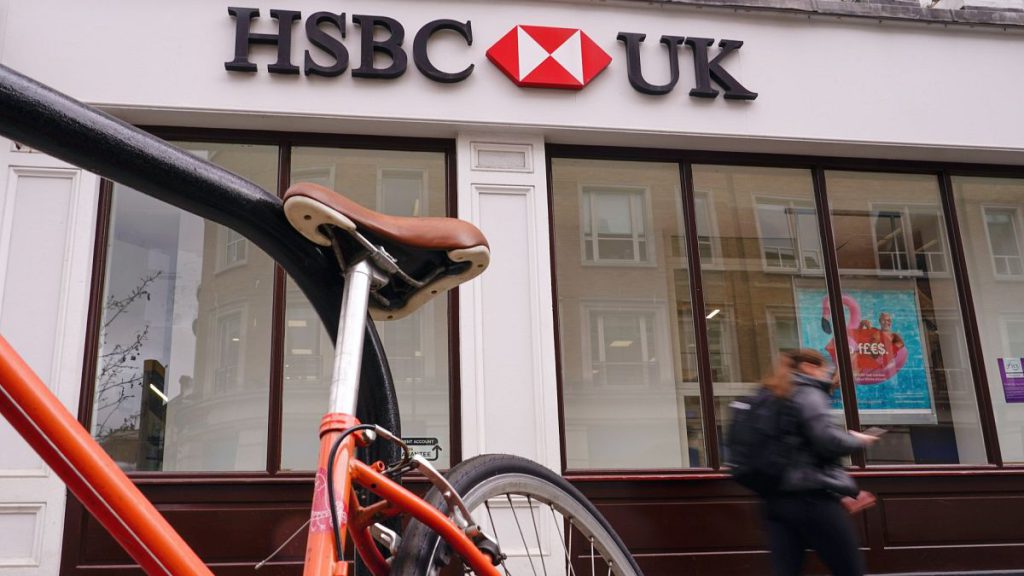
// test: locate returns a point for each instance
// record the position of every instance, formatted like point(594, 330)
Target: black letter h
point(244, 38)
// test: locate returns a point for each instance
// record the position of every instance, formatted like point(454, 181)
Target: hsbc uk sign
point(531, 56)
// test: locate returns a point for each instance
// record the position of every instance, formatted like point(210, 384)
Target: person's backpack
point(762, 441)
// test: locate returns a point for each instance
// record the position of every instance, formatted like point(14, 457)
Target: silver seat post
point(348, 354)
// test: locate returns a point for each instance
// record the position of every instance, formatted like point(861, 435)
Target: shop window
point(630, 393)
point(770, 289)
point(181, 342)
point(908, 346)
point(988, 212)
point(614, 225)
point(1002, 230)
point(170, 349)
point(394, 182)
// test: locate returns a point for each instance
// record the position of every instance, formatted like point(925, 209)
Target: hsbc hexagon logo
point(548, 57)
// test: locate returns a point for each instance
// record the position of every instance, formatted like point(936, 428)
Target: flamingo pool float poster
point(883, 329)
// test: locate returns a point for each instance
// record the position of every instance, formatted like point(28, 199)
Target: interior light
point(621, 344)
point(713, 313)
point(158, 393)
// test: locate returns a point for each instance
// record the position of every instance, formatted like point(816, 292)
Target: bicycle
point(391, 266)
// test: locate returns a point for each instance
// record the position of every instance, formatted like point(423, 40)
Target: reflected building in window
point(989, 213)
point(630, 398)
point(183, 371)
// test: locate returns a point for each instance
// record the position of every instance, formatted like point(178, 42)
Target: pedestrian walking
point(815, 496)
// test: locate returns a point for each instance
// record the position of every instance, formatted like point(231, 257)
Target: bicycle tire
point(491, 479)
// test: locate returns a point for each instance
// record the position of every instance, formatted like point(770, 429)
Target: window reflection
point(1002, 227)
point(615, 224)
point(989, 212)
point(903, 321)
point(182, 382)
point(629, 378)
point(768, 283)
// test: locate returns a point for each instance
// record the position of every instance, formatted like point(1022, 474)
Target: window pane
point(903, 319)
point(401, 183)
point(629, 371)
point(614, 223)
point(184, 374)
point(760, 299)
point(989, 212)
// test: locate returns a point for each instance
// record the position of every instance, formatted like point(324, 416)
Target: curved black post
point(49, 121)
point(44, 119)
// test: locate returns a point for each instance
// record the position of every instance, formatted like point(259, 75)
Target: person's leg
point(782, 525)
point(830, 532)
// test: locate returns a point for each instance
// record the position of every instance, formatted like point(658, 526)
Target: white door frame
point(47, 226)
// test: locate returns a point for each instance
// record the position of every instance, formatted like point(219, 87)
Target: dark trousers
point(796, 522)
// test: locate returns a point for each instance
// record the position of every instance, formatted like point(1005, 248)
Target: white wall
point(918, 90)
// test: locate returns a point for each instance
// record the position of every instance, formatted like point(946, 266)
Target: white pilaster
point(509, 390)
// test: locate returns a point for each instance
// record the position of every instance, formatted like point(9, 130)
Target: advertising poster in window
point(883, 328)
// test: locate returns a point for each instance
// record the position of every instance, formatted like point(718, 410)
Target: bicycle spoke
point(570, 543)
point(522, 535)
point(593, 568)
point(494, 529)
point(488, 484)
point(540, 546)
point(561, 538)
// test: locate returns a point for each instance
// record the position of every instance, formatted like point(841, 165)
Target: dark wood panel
point(962, 520)
point(217, 533)
point(677, 526)
point(702, 526)
point(710, 526)
point(231, 523)
point(695, 528)
point(992, 561)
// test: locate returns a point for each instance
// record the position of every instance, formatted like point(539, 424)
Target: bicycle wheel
point(541, 522)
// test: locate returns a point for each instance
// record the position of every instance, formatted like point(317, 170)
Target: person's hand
point(866, 439)
point(863, 501)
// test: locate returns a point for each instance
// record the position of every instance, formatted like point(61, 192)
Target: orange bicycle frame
point(355, 519)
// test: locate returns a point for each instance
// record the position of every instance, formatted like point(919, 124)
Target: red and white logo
point(547, 57)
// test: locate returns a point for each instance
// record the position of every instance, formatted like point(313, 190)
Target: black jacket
point(816, 464)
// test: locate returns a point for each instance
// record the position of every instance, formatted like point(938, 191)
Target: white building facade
point(673, 192)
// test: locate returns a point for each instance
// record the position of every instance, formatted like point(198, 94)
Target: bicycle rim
point(543, 525)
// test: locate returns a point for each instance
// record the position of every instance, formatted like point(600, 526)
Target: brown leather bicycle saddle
point(441, 252)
